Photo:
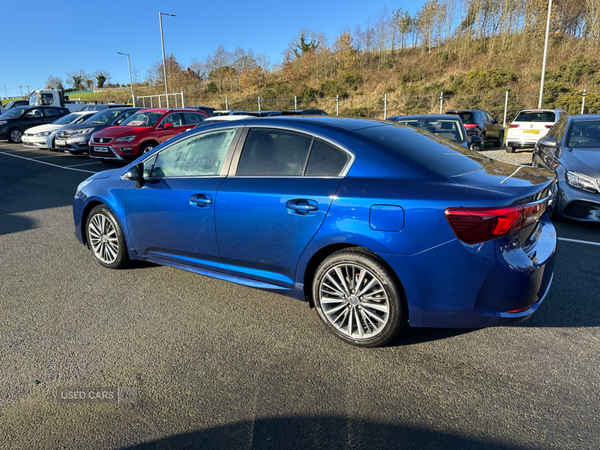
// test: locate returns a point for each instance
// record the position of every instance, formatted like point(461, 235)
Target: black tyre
point(359, 299)
point(105, 238)
point(500, 140)
point(14, 136)
point(146, 148)
point(510, 149)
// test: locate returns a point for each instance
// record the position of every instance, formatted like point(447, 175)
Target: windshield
point(536, 116)
point(143, 119)
point(106, 116)
point(446, 128)
point(585, 135)
point(14, 113)
point(65, 120)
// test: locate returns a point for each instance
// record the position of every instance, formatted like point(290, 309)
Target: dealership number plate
point(532, 131)
point(60, 143)
point(101, 149)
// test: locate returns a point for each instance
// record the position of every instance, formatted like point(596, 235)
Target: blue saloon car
point(375, 224)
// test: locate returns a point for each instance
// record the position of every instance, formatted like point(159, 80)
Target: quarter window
point(270, 152)
point(199, 155)
point(326, 160)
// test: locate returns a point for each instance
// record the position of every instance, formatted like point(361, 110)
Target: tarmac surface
point(217, 365)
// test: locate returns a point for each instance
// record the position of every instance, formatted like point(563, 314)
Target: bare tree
point(54, 82)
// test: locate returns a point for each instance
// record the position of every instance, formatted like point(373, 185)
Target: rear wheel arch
point(325, 252)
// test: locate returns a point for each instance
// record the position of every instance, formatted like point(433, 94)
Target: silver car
point(572, 149)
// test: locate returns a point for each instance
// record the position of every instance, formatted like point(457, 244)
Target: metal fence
point(503, 106)
point(173, 100)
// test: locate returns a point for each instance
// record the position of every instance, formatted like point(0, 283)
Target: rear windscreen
point(465, 116)
point(439, 155)
point(531, 116)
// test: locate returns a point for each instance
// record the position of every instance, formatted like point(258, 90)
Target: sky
point(43, 38)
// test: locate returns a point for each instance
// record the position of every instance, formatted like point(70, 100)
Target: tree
point(77, 79)
point(102, 77)
point(55, 82)
point(345, 51)
point(404, 23)
point(156, 73)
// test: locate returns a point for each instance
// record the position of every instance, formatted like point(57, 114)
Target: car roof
point(430, 116)
point(331, 122)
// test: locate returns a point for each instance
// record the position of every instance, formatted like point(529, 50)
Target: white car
point(43, 136)
point(530, 126)
point(229, 112)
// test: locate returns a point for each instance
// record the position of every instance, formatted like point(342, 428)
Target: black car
point(14, 122)
point(207, 109)
point(75, 138)
point(102, 106)
point(481, 123)
point(304, 112)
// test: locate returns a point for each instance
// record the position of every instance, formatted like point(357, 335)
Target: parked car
point(141, 132)
point(103, 106)
point(572, 149)
point(214, 119)
point(75, 138)
point(394, 118)
point(304, 112)
point(43, 136)
point(444, 126)
point(479, 122)
point(207, 109)
point(14, 104)
point(530, 126)
point(229, 112)
point(375, 224)
point(264, 113)
point(14, 122)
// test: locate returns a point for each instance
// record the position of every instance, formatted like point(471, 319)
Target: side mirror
point(548, 142)
point(168, 125)
point(495, 122)
point(476, 141)
point(134, 173)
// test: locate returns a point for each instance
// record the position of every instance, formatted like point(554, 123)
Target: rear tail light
point(514, 125)
point(470, 125)
point(549, 126)
point(476, 225)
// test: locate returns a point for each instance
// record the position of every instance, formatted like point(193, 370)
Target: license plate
point(532, 131)
point(60, 143)
point(101, 149)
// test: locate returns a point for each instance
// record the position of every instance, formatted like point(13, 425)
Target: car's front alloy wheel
point(105, 238)
point(357, 298)
point(15, 136)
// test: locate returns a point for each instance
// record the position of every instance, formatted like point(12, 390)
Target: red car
point(143, 131)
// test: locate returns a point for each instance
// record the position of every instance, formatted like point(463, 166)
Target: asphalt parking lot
point(217, 365)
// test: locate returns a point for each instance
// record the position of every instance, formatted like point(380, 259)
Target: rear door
point(274, 201)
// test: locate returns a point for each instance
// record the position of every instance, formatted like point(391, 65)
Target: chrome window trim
point(312, 134)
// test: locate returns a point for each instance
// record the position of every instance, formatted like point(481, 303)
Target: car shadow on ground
point(319, 432)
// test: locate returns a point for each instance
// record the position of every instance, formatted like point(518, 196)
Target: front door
point(172, 215)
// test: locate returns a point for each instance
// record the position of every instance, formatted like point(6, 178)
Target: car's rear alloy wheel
point(15, 136)
point(357, 298)
point(105, 238)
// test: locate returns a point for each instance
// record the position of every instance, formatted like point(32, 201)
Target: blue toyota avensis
point(375, 224)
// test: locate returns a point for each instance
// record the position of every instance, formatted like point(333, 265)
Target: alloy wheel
point(103, 238)
point(354, 301)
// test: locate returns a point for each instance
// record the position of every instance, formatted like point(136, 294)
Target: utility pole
point(162, 40)
point(545, 55)
point(21, 89)
point(5, 94)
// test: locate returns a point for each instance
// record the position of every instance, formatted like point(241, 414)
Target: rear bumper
point(521, 143)
point(456, 285)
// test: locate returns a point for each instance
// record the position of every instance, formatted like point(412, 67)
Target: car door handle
point(200, 200)
point(302, 206)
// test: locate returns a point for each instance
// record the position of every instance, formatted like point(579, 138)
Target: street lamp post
point(545, 55)
point(130, 80)
point(162, 40)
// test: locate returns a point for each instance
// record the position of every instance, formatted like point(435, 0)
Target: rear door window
point(273, 152)
point(192, 118)
point(465, 116)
